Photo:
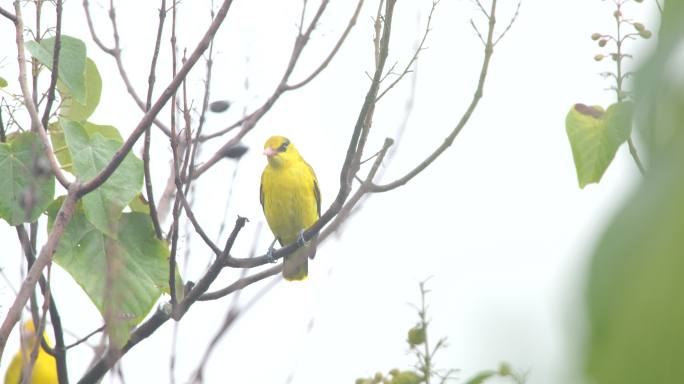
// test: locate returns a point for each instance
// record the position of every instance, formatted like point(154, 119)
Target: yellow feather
point(45, 368)
point(291, 201)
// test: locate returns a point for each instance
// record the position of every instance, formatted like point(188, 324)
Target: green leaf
point(122, 276)
point(407, 377)
point(635, 290)
point(91, 152)
point(72, 62)
point(416, 336)
point(595, 137)
point(59, 146)
point(3, 82)
point(26, 184)
point(139, 204)
point(72, 109)
point(107, 131)
point(482, 377)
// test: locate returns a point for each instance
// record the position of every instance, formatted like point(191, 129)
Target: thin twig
point(147, 141)
point(55, 63)
point(36, 124)
point(231, 317)
point(102, 176)
point(331, 55)
point(148, 327)
point(8, 15)
point(346, 173)
point(86, 337)
point(116, 54)
point(242, 283)
point(510, 24)
point(420, 48)
point(489, 50)
point(248, 122)
point(62, 219)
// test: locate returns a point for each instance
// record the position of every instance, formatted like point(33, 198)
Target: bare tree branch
point(161, 101)
point(36, 124)
point(8, 15)
point(231, 316)
point(77, 190)
point(86, 337)
point(160, 316)
point(45, 256)
point(116, 54)
point(489, 49)
point(59, 351)
point(338, 45)
point(248, 122)
point(347, 172)
point(420, 48)
point(146, 148)
point(55, 63)
point(242, 283)
point(510, 23)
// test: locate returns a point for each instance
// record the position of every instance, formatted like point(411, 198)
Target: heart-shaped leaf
point(122, 276)
point(72, 62)
point(90, 153)
point(595, 137)
point(26, 184)
point(72, 109)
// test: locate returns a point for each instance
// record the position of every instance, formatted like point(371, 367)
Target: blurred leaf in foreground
point(635, 292)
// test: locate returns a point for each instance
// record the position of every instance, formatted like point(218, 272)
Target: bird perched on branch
point(44, 369)
point(291, 201)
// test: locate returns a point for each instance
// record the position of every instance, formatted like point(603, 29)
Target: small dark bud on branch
point(219, 106)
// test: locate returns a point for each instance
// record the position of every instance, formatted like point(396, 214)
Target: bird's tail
point(296, 265)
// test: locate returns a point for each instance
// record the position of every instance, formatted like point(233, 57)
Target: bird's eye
point(283, 146)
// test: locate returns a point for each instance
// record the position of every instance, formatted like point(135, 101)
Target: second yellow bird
point(291, 201)
point(44, 369)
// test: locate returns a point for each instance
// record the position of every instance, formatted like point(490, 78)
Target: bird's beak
point(270, 152)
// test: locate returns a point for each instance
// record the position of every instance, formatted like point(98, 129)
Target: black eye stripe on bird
point(283, 146)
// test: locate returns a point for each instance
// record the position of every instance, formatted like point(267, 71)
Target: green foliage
point(416, 336)
point(72, 62)
point(59, 145)
point(123, 275)
point(407, 377)
point(72, 109)
point(91, 151)
point(114, 256)
point(595, 136)
point(3, 82)
point(139, 204)
point(635, 286)
point(26, 185)
point(425, 370)
point(504, 371)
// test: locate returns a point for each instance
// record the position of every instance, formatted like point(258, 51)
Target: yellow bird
point(45, 368)
point(291, 201)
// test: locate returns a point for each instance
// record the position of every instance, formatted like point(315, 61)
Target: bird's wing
point(261, 193)
point(317, 191)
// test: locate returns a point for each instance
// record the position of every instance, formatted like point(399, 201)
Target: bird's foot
point(300, 239)
point(269, 255)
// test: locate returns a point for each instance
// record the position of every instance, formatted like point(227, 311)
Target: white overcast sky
point(498, 222)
